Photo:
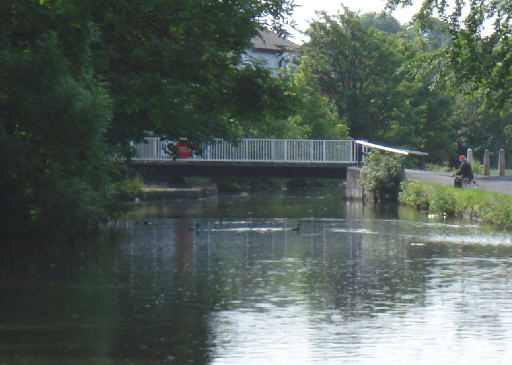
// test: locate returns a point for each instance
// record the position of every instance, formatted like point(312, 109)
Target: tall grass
point(489, 207)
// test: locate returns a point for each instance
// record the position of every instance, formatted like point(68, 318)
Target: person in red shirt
point(184, 151)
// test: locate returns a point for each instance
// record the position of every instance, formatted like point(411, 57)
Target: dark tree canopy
point(77, 74)
point(173, 67)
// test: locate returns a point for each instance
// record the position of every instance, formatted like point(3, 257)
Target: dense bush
point(434, 198)
point(442, 201)
point(497, 210)
point(55, 170)
point(381, 175)
point(413, 194)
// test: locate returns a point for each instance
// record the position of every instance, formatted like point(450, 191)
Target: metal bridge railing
point(257, 150)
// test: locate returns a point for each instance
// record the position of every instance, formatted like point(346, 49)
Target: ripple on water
point(249, 229)
point(352, 230)
point(470, 239)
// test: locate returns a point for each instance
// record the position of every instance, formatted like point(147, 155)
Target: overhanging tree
point(174, 67)
point(53, 113)
point(75, 73)
point(480, 56)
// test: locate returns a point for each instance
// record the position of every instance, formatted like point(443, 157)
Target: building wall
point(272, 60)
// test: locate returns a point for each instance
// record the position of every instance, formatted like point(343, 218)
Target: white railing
point(257, 150)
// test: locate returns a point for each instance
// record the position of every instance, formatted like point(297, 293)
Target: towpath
point(498, 184)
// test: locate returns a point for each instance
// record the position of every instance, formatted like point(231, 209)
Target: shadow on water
point(194, 281)
point(103, 301)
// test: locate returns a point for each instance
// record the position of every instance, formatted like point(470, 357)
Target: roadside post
point(501, 163)
point(487, 163)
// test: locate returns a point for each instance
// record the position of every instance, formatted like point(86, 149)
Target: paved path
point(499, 184)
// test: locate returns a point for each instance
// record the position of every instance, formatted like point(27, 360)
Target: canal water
point(290, 277)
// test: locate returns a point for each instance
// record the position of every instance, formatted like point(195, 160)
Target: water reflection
point(266, 279)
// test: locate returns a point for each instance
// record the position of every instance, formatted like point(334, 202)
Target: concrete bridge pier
point(353, 190)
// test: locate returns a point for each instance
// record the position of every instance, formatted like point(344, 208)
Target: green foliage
point(76, 74)
point(381, 21)
point(470, 200)
point(382, 174)
point(173, 67)
point(55, 170)
point(489, 207)
point(434, 30)
point(422, 118)
point(479, 62)
point(497, 210)
point(128, 188)
point(413, 194)
point(436, 198)
point(442, 201)
point(381, 84)
point(482, 128)
point(310, 114)
point(478, 168)
point(315, 112)
point(357, 68)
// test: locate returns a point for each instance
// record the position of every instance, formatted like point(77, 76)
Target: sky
point(304, 13)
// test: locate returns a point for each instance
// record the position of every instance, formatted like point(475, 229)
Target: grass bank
point(489, 207)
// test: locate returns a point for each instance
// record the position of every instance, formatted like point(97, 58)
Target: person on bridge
point(465, 172)
point(183, 148)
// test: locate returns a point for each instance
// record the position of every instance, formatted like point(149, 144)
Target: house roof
point(272, 42)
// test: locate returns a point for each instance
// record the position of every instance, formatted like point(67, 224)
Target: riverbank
point(497, 184)
point(486, 206)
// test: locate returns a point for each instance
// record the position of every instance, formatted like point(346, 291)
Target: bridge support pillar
point(353, 189)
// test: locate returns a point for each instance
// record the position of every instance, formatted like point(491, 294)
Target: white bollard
point(470, 157)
